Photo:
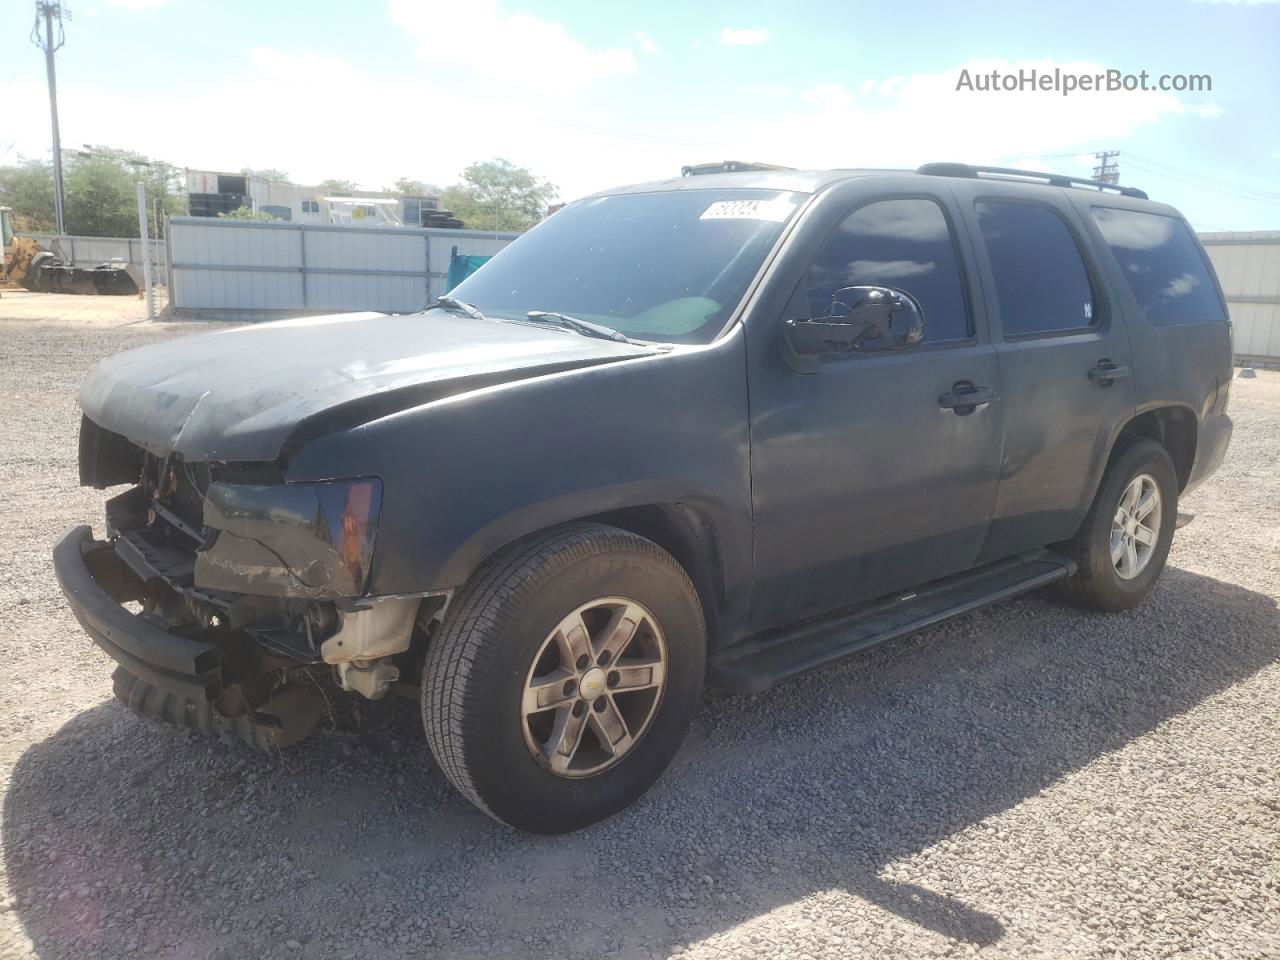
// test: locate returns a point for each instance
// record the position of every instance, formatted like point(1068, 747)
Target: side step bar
point(760, 663)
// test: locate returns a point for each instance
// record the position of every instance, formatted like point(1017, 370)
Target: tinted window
point(895, 243)
point(1041, 282)
point(1162, 264)
point(667, 266)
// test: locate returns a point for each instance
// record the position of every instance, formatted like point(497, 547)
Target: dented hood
point(243, 394)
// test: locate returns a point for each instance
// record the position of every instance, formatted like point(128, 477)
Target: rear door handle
point(963, 398)
point(1106, 373)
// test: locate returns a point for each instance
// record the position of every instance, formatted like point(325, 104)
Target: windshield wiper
point(584, 327)
point(452, 303)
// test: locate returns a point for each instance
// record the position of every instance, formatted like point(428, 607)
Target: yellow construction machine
point(27, 265)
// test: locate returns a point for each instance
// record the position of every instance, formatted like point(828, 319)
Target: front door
point(867, 477)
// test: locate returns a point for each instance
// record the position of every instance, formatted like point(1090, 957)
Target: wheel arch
point(689, 536)
point(684, 530)
point(1173, 426)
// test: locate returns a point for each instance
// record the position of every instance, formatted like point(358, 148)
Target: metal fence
point(1248, 266)
point(253, 270)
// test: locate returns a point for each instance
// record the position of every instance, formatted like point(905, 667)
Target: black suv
point(734, 424)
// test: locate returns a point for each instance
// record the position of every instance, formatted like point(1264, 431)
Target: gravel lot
point(1028, 780)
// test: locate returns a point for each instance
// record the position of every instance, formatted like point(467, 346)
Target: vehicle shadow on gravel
point(120, 836)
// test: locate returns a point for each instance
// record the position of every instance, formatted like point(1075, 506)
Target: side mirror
point(863, 319)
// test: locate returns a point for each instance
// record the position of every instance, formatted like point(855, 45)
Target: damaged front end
point(220, 582)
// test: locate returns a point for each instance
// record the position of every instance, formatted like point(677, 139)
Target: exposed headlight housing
point(291, 539)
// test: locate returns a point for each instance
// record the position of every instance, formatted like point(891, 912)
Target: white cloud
point(768, 90)
point(931, 120)
point(526, 51)
point(646, 43)
point(749, 37)
point(136, 5)
point(317, 116)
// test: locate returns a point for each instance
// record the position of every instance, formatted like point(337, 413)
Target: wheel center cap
point(592, 683)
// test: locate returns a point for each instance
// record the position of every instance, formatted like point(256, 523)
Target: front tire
point(1124, 541)
point(565, 677)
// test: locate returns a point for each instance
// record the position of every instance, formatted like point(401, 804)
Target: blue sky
point(591, 94)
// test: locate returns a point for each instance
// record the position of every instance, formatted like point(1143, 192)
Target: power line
point(18, 65)
point(1237, 190)
point(1181, 171)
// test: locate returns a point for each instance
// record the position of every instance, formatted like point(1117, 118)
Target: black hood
point(243, 394)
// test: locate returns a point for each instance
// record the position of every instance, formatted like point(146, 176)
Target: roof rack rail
point(727, 166)
point(974, 172)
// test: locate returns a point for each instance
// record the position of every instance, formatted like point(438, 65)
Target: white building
point(210, 193)
point(1248, 267)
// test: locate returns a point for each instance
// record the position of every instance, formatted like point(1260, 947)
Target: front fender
point(464, 476)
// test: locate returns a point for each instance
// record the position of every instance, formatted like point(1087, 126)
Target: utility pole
point(49, 11)
point(1108, 169)
point(146, 250)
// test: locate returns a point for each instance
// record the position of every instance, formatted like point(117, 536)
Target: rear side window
point(895, 243)
point(1162, 265)
point(1041, 282)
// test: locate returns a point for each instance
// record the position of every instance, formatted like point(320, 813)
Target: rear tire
point(506, 635)
point(1108, 576)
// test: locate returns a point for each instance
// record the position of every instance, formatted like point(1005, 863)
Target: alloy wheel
point(594, 687)
point(1135, 529)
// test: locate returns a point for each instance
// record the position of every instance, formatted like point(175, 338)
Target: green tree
point(27, 186)
point(99, 187)
point(413, 188)
point(498, 195)
point(244, 213)
point(334, 187)
point(266, 173)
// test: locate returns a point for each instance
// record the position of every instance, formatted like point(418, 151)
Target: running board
point(759, 663)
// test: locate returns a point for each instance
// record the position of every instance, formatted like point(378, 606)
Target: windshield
point(667, 266)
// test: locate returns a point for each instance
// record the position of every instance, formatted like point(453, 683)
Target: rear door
point(1064, 356)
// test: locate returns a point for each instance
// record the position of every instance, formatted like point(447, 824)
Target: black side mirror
point(865, 319)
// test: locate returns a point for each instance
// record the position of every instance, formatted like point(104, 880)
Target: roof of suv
point(800, 181)
point(766, 177)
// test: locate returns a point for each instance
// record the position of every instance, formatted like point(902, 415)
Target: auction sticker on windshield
point(772, 210)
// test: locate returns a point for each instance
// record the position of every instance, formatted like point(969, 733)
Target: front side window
point(1162, 266)
point(669, 266)
point(1041, 283)
point(905, 244)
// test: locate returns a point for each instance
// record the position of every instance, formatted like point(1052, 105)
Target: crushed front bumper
point(96, 582)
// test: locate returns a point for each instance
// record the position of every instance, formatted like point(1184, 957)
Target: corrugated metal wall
point(1248, 267)
point(253, 270)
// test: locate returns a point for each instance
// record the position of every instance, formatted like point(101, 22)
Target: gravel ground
point(1029, 780)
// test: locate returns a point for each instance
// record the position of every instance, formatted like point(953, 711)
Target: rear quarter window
point(1162, 265)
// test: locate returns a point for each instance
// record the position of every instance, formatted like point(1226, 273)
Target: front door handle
point(964, 397)
point(1107, 373)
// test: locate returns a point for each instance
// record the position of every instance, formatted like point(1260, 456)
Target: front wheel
point(1125, 538)
point(565, 677)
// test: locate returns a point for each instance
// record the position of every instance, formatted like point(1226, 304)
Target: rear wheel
point(565, 677)
point(1125, 538)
